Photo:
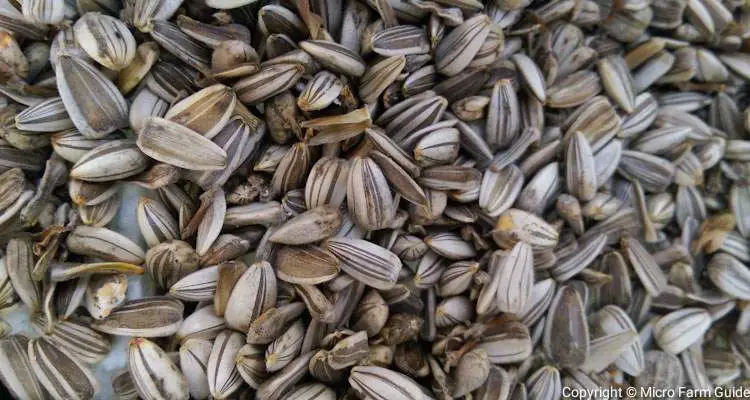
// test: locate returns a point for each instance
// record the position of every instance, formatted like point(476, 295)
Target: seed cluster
point(374, 199)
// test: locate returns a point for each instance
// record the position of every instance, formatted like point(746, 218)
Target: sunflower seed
point(400, 40)
point(43, 12)
point(515, 225)
point(311, 391)
point(684, 67)
point(500, 189)
point(574, 90)
point(335, 57)
point(60, 272)
point(569, 266)
point(611, 320)
point(251, 365)
point(93, 102)
point(580, 168)
point(677, 330)
point(18, 373)
point(253, 294)
point(516, 149)
point(60, 372)
point(544, 383)
point(531, 76)
point(413, 114)
point(8, 295)
point(145, 104)
point(566, 335)
point(268, 82)
point(229, 273)
point(160, 139)
point(270, 324)
point(503, 115)
point(223, 376)
point(102, 214)
point(617, 81)
point(170, 261)
point(515, 279)
point(653, 172)
point(378, 77)
point(105, 244)
point(369, 197)
point(311, 226)
point(105, 39)
point(320, 92)
point(206, 111)
point(188, 50)
point(506, 341)
point(145, 56)
point(197, 286)
point(456, 50)
point(540, 190)
point(605, 349)
point(472, 371)
point(86, 344)
point(457, 277)
point(155, 375)
point(365, 261)
point(371, 314)
point(650, 274)
point(47, 116)
point(148, 317)
point(113, 160)
point(155, 222)
point(446, 177)
point(450, 246)
point(382, 383)
point(728, 274)
point(285, 348)
point(194, 355)
point(429, 269)
point(339, 127)
point(203, 324)
point(348, 351)
point(282, 382)
point(326, 182)
point(19, 261)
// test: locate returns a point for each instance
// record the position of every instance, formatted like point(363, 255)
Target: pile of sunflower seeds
point(373, 199)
